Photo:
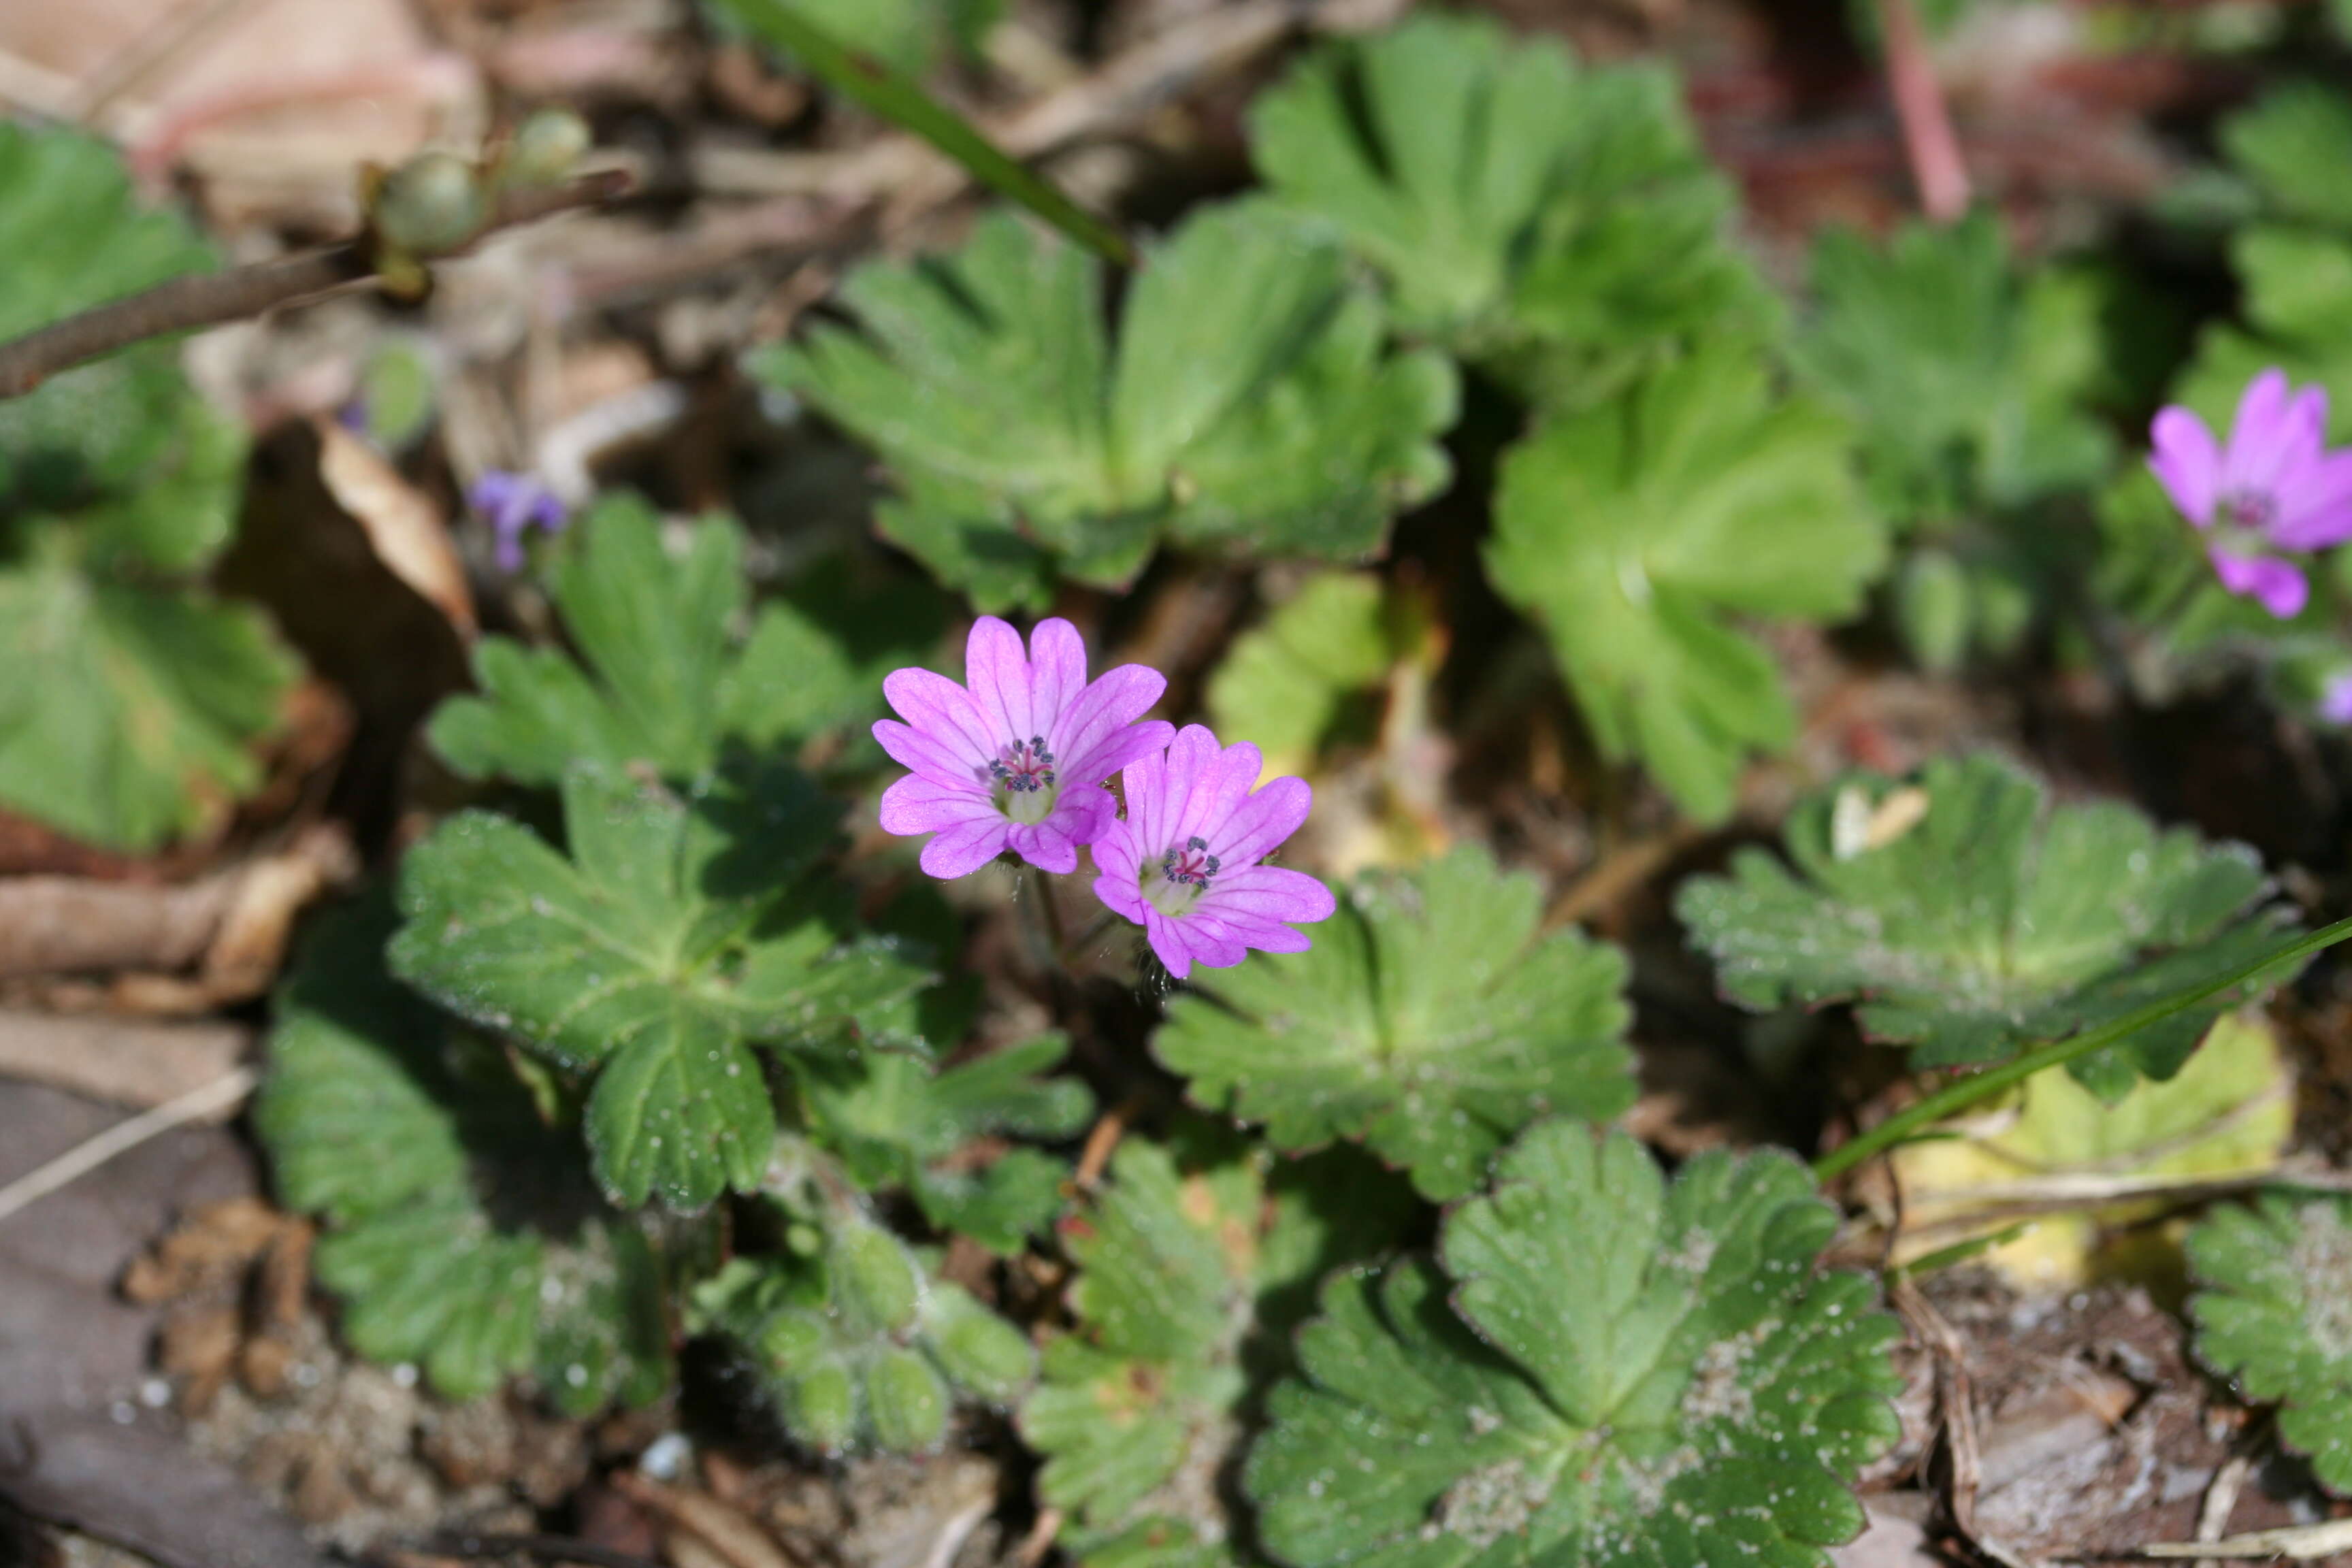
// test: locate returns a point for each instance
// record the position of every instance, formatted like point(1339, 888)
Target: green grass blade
point(1958, 1096)
point(883, 89)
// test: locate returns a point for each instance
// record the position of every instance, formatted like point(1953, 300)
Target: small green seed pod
point(792, 1338)
point(908, 1399)
point(821, 1407)
point(545, 147)
point(431, 204)
point(978, 1349)
point(874, 1275)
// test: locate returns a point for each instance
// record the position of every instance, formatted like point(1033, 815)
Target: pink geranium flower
point(1014, 761)
point(2275, 487)
point(1184, 864)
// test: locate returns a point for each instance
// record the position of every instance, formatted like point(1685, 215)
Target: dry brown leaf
point(403, 526)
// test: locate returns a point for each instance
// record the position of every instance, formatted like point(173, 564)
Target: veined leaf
point(860, 1346)
point(1247, 401)
point(676, 933)
point(1558, 224)
point(2293, 142)
point(1997, 920)
point(1629, 1371)
point(2271, 1315)
point(1967, 378)
point(1430, 1020)
point(1193, 1262)
point(117, 486)
point(1291, 683)
point(667, 678)
point(388, 1121)
point(1633, 531)
point(896, 1120)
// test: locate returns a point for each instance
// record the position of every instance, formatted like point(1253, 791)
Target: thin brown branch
point(206, 300)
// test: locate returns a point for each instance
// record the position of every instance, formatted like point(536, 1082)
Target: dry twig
point(124, 1136)
point(206, 300)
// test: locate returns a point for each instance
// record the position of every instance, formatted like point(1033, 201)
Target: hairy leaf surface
point(1195, 1261)
point(462, 1233)
point(1559, 225)
point(666, 675)
point(1431, 1020)
point(895, 1120)
point(118, 485)
point(2274, 1314)
point(1994, 921)
point(1636, 530)
point(1246, 401)
point(675, 934)
point(1629, 1371)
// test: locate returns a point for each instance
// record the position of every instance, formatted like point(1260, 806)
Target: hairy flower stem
point(1958, 1096)
point(1049, 913)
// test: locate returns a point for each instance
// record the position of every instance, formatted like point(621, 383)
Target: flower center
point(1184, 873)
point(1023, 772)
point(2247, 514)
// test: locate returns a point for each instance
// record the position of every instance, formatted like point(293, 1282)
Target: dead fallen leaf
point(403, 526)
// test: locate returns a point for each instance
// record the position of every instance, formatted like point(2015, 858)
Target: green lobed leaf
point(116, 485)
point(2292, 144)
point(1296, 681)
point(1633, 531)
point(1997, 920)
point(896, 1120)
point(1247, 403)
point(395, 1128)
point(1431, 1019)
point(665, 677)
point(2273, 1314)
point(1630, 1372)
point(2296, 296)
point(1967, 377)
point(1560, 226)
point(859, 1345)
point(676, 933)
point(1195, 1261)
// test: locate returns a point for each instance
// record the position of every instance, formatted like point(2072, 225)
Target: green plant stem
point(1958, 1096)
point(882, 89)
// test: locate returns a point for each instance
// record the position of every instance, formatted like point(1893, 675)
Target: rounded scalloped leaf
point(1630, 1372)
point(1194, 1261)
point(1644, 533)
point(1249, 399)
point(2275, 1316)
point(651, 955)
point(384, 1120)
point(1969, 917)
point(1431, 1019)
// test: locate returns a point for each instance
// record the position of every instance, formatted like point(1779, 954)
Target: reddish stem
point(1933, 151)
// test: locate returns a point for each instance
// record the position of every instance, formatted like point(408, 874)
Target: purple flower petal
point(2260, 435)
point(918, 805)
point(2314, 505)
point(2277, 585)
point(1019, 748)
point(1185, 863)
point(996, 671)
point(2186, 462)
point(960, 850)
point(2335, 700)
